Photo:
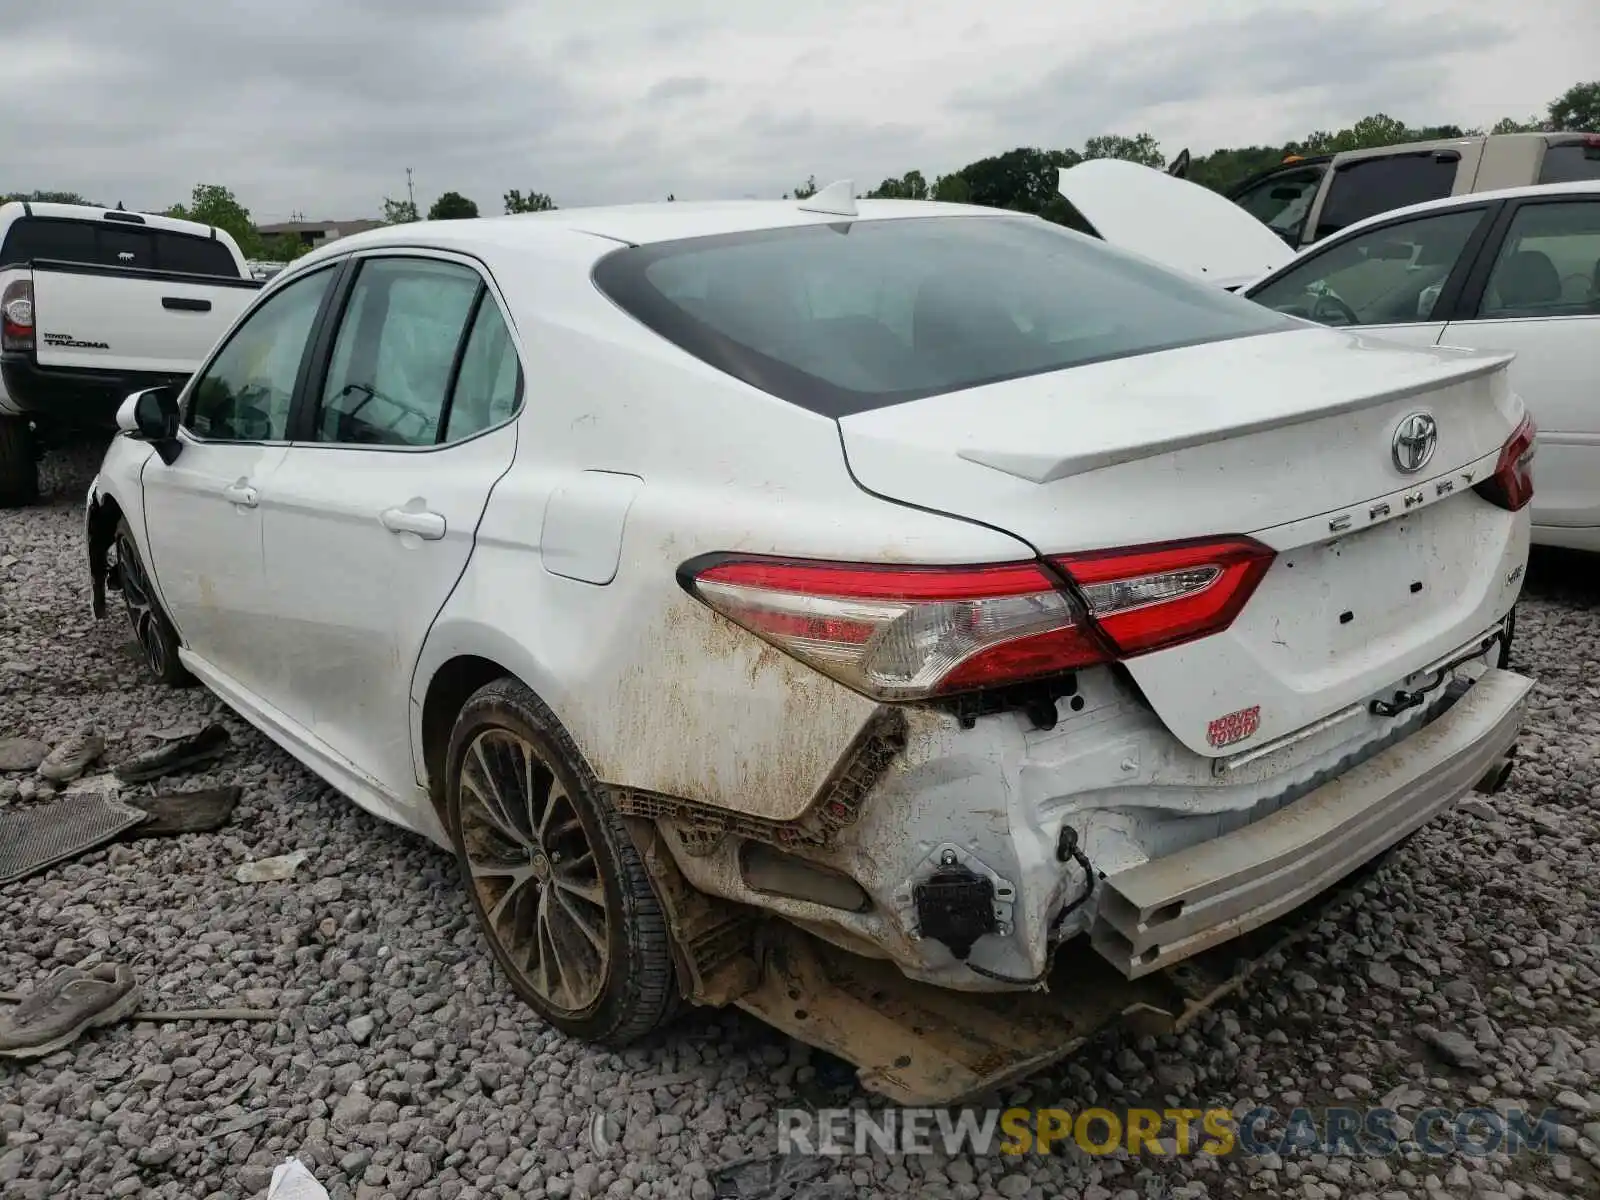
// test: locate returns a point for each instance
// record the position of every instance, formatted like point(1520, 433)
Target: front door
point(1541, 298)
point(372, 515)
point(202, 516)
point(1392, 280)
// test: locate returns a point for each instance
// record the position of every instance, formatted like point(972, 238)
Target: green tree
point(1141, 148)
point(1512, 125)
point(910, 186)
point(805, 190)
point(46, 197)
point(1577, 110)
point(399, 212)
point(951, 189)
point(452, 206)
point(516, 202)
point(213, 204)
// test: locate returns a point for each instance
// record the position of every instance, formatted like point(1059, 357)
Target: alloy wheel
point(534, 870)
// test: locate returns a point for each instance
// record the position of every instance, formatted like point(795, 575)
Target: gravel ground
point(401, 1066)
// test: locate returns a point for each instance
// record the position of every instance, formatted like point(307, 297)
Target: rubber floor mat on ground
point(47, 834)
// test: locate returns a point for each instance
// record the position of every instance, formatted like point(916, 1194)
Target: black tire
point(19, 466)
point(157, 639)
point(635, 987)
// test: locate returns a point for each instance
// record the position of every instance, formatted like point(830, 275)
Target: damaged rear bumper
point(1160, 912)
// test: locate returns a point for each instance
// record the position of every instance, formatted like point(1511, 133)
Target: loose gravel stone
point(402, 1066)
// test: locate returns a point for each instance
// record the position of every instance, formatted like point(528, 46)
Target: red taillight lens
point(16, 316)
point(1511, 485)
point(905, 633)
point(1152, 598)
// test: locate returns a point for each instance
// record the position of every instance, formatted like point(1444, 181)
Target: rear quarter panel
point(659, 692)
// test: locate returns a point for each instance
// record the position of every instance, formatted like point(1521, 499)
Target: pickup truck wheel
point(19, 467)
point(154, 633)
point(551, 874)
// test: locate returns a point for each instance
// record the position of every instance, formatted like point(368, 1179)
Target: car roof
point(1465, 199)
point(89, 212)
point(638, 224)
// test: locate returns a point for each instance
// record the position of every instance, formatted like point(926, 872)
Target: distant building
point(315, 233)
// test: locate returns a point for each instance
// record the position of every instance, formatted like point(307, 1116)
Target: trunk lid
point(1177, 223)
point(1286, 437)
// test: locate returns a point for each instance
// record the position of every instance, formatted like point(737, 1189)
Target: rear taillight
point(906, 633)
point(16, 316)
point(1511, 485)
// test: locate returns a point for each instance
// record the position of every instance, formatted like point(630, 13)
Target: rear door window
point(194, 255)
point(1369, 186)
point(1549, 265)
point(1571, 162)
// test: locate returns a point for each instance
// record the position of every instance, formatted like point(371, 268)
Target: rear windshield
point(115, 245)
point(1571, 162)
point(860, 315)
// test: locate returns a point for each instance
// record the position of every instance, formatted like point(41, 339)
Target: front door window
point(1384, 276)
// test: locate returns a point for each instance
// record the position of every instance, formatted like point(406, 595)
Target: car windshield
point(859, 315)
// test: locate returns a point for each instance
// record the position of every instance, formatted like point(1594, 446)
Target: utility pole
point(411, 192)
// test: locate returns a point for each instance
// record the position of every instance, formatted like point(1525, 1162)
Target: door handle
point(428, 526)
point(240, 493)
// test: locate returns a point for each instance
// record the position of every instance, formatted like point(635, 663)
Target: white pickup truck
point(95, 305)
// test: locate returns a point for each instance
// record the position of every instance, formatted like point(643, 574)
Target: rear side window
point(854, 316)
point(1369, 186)
point(1571, 162)
point(115, 245)
point(38, 237)
point(194, 255)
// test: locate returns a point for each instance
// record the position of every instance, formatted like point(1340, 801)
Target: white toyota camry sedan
point(737, 587)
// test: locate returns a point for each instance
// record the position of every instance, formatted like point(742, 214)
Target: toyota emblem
point(1415, 440)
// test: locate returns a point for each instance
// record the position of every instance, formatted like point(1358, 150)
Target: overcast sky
point(320, 105)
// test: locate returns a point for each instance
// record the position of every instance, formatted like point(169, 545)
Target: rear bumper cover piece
point(1163, 911)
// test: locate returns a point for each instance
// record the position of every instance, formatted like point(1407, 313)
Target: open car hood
point(1177, 223)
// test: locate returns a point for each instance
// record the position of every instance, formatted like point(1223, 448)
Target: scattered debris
point(176, 755)
point(270, 870)
point(73, 756)
point(96, 785)
point(778, 1177)
point(180, 1014)
point(21, 754)
point(184, 812)
point(40, 837)
point(67, 1004)
point(292, 1181)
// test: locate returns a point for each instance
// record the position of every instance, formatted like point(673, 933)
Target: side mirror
point(152, 416)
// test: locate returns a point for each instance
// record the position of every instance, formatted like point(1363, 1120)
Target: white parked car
point(765, 598)
point(1515, 270)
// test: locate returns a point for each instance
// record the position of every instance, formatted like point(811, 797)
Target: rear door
point(1398, 279)
point(407, 424)
point(1538, 295)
